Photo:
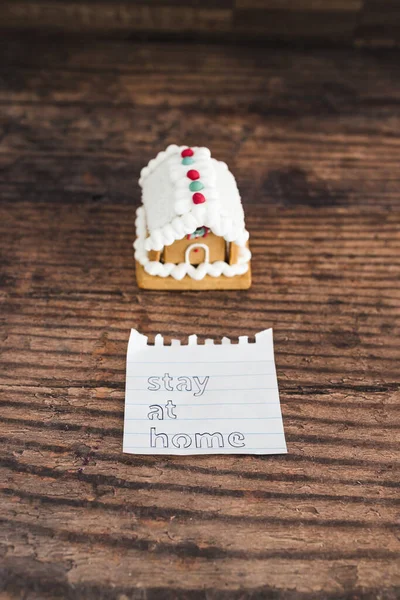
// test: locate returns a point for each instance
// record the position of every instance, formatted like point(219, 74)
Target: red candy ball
point(198, 198)
point(193, 174)
point(187, 152)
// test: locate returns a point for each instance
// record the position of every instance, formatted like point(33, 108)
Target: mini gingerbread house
point(190, 229)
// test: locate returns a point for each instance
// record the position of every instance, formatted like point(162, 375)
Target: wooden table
point(313, 138)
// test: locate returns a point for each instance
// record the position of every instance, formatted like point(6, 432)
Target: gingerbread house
point(190, 228)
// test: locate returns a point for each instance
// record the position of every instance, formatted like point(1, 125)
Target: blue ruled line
point(195, 362)
point(159, 421)
point(211, 403)
point(191, 434)
point(208, 390)
point(224, 375)
point(232, 450)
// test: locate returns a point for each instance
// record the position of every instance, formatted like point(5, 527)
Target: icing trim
point(153, 164)
point(215, 269)
point(192, 246)
point(181, 176)
point(189, 216)
point(206, 214)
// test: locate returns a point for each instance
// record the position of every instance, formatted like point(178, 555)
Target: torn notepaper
point(202, 399)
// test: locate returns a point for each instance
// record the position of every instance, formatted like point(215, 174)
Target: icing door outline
point(192, 247)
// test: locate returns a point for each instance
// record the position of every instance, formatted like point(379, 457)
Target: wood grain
point(314, 141)
point(351, 22)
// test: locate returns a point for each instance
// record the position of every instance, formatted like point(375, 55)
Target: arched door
point(197, 253)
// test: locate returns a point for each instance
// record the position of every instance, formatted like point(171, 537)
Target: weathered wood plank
point(315, 150)
point(359, 22)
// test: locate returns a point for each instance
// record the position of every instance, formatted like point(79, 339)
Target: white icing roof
point(167, 199)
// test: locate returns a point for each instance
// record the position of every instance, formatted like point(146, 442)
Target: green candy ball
point(195, 186)
point(188, 160)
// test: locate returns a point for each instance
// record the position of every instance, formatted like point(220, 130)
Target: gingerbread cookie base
point(151, 282)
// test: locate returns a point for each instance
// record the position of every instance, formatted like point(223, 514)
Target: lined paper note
point(202, 399)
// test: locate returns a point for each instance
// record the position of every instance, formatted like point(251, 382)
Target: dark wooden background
point(350, 22)
point(313, 138)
